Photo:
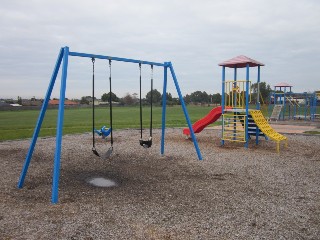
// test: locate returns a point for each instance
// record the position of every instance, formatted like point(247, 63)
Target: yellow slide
point(264, 126)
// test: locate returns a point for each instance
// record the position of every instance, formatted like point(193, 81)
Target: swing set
point(63, 59)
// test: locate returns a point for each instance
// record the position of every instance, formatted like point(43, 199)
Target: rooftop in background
point(283, 84)
point(240, 62)
point(66, 102)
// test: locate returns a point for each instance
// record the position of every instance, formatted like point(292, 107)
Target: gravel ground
point(235, 193)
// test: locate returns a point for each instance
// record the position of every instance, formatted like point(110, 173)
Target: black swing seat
point(147, 143)
point(105, 155)
point(95, 151)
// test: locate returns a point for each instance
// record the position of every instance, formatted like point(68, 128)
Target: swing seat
point(95, 152)
point(103, 131)
point(105, 155)
point(147, 143)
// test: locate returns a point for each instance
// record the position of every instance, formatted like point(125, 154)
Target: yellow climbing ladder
point(232, 127)
point(264, 126)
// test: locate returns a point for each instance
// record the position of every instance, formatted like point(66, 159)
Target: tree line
point(197, 97)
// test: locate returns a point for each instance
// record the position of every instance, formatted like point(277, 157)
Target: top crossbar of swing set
point(77, 54)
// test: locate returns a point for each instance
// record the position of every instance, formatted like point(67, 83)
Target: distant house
point(66, 102)
point(27, 102)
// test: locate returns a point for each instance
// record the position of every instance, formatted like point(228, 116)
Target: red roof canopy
point(283, 84)
point(240, 62)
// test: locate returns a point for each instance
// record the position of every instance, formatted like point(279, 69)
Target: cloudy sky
point(194, 35)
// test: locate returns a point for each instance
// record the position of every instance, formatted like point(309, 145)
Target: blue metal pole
point(88, 55)
point(164, 105)
point(258, 97)
point(258, 104)
point(269, 105)
point(306, 106)
point(40, 120)
point(284, 103)
point(56, 169)
point(194, 139)
point(314, 107)
point(223, 96)
point(247, 105)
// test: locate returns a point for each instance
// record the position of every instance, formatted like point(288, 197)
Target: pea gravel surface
point(234, 193)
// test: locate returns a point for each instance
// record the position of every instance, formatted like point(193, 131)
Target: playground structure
point(239, 122)
point(63, 59)
point(286, 105)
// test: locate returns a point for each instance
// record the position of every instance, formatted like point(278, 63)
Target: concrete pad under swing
point(102, 182)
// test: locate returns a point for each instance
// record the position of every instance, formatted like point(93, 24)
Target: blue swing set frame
point(63, 58)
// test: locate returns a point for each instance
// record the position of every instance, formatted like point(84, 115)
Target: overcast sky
point(194, 35)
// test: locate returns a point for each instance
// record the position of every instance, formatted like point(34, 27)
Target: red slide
point(199, 125)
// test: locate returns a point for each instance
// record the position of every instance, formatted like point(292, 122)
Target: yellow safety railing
point(235, 93)
point(233, 127)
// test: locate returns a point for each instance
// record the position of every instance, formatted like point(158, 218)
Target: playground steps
point(264, 126)
point(252, 126)
point(276, 112)
point(234, 127)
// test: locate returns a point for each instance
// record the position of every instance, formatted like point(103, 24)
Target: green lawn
point(20, 124)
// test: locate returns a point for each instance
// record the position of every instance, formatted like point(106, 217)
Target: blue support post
point(314, 107)
point(223, 98)
point(270, 105)
point(40, 119)
point(56, 169)
point(195, 142)
point(258, 104)
point(164, 105)
point(247, 105)
point(306, 106)
point(258, 92)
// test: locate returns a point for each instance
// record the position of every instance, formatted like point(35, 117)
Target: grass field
point(20, 124)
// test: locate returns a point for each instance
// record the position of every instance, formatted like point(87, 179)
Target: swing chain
point(93, 137)
point(110, 102)
point(140, 102)
point(151, 102)
point(151, 73)
point(147, 143)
